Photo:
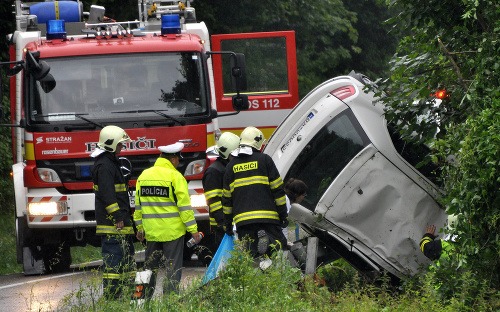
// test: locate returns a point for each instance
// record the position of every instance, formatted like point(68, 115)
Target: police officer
point(253, 196)
point(212, 186)
point(112, 211)
point(162, 215)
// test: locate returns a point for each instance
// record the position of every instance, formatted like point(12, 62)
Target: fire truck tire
point(56, 257)
point(21, 228)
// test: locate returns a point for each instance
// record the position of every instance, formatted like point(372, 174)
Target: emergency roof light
point(170, 24)
point(56, 29)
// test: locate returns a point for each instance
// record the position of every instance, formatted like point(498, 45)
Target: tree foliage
point(6, 195)
point(454, 45)
point(333, 37)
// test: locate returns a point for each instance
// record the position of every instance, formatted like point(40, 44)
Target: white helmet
point(253, 137)
point(110, 137)
point(226, 144)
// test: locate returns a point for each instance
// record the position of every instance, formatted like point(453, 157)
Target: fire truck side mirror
point(48, 83)
point(38, 70)
point(240, 102)
point(12, 71)
point(238, 71)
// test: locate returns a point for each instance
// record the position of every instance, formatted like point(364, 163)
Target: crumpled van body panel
point(361, 191)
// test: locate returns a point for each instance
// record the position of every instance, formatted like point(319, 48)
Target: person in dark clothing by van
point(254, 197)
point(296, 191)
point(212, 186)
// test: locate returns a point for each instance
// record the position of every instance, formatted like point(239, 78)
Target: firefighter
point(254, 198)
point(212, 186)
point(112, 212)
point(162, 216)
point(435, 248)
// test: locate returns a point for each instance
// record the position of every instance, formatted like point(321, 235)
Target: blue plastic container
point(69, 11)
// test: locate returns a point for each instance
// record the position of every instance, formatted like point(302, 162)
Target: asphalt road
point(19, 293)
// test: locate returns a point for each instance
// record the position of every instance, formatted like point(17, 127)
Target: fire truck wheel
point(56, 258)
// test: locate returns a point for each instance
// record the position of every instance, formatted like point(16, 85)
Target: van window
point(417, 155)
point(324, 157)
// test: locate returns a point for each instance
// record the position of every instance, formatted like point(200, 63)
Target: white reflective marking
point(40, 280)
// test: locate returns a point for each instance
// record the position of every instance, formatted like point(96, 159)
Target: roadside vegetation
point(8, 262)
point(241, 286)
point(244, 287)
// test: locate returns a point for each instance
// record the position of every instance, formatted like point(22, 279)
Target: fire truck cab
point(162, 78)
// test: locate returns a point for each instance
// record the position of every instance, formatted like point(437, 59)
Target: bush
point(242, 286)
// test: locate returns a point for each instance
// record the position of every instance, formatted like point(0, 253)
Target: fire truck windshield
point(114, 86)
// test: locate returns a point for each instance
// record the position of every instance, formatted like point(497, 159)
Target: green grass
point(85, 254)
point(244, 287)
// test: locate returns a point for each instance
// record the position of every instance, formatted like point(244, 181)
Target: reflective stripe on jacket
point(430, 246)
point(253, 190)
point(162, 204)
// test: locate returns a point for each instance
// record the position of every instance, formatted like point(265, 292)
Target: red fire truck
point(162, 78)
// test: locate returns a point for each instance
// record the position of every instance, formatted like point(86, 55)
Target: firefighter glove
point(229, 230)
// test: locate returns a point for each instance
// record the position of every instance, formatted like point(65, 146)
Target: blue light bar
point(56, 29)
point(170, 24)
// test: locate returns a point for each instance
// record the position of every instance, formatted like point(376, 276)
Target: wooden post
point(312, 255)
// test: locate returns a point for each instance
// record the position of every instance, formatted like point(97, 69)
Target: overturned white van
point(366, 202)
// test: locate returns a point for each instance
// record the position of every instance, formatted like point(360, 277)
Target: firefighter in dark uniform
point(113, 215)
point(254, 198)
point(163, 215)
point(212, 186)
point(435, 248)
